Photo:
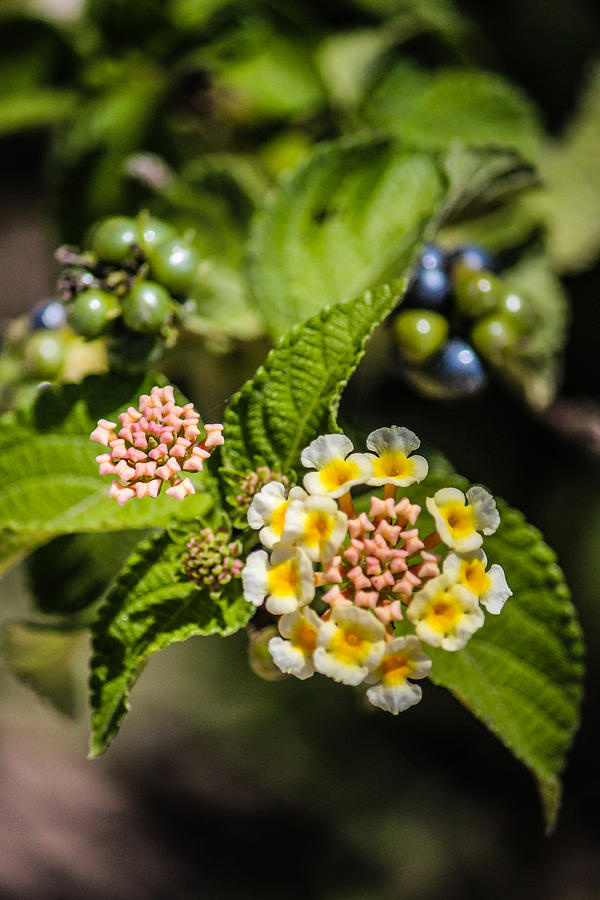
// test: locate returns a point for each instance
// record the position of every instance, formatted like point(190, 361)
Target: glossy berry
point(515, 308)
point(459, 369)
point(476, 292)
point(420, 333)
point(493, 335)
point(48, 314)
point(433, 257)
point(114, 238)
point(91, 312)
point(147, 307)
point(175, 264)
point(153, 232)
point(430, 288)
point(475, 257)
point(45, 354)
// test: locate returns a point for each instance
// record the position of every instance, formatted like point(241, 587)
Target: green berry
point(45, 354)
point(420, 333)
point(516, 309)
point(113, 238)
point(476, 292)
point(175, 264)
point(493, 335)
point(153, 232)
point(92, 311)
point(147, 307)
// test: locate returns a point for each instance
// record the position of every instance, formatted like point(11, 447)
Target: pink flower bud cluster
point(374, 571)
point(253, 482)
point(156, 443)
point(211, 558)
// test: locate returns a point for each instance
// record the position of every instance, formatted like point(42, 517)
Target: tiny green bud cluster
point(211, 558)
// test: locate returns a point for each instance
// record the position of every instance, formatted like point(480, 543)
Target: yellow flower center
point(304, 637)
point(336, 473)
point(395, 669)
point(278, 517)
point(284, 578)
point(317, 528)
point(444, 612)
point(392, 464)
point(349, 646)
point(474, 576)
point(459, 517)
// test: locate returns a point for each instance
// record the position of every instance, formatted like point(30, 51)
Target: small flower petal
point(350, 645)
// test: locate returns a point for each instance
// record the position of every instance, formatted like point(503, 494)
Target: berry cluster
point(40, 347)
point(458, 309)
point(130, 286)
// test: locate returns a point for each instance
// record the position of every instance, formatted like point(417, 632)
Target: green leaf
point(571, 170)
point(73, 571)
point(41, 656)
point(346, 220)
point(535, 368)
point(37, 108)
point(152, 605)
point(295, 395)
point(521, 674)
point(474, 106)
point(263, 70)
point(49, 481)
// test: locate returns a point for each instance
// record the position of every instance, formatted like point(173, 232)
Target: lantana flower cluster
point(338, 581)
point(156, 444)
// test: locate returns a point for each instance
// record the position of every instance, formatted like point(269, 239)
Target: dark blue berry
point(48, 314)
point(430, 288)
point(475, 257)
point(459, 369)
point(433, 257)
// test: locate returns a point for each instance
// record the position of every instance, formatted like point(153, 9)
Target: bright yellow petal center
point(349, 646)
point(304, 637)
point(395, 669)
point(336, 473)
point(474, 576)
point(459, 518)
point(392, 464)
point(284, 578)
point(444, 612)
point(278, 517)
point(317, 528)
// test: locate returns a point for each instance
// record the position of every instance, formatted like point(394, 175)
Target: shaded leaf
point(521, 674)
point(471, 105)
point(152, 605)
point(41, 657)
point(345, 220)
point(73, 571)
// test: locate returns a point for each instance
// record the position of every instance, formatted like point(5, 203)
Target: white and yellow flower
point(317, 525)
point(459, 519)
point(294, 655)
point(489, 587)
point(268, 510)
point(393, 463)
point(338, 469)
point(445, 614)
point(402, 659)
point(350, 645)
point(286, 580)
